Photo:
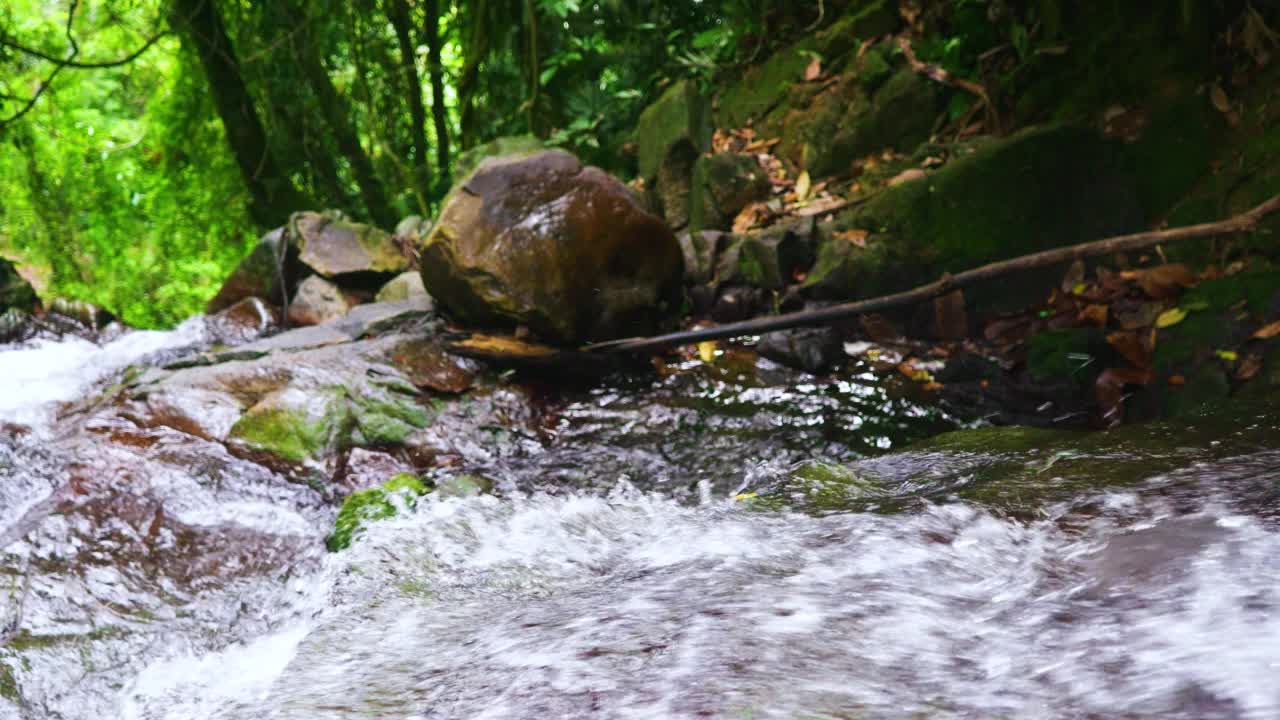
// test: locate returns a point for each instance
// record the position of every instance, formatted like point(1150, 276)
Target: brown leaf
point(1249, 366)
point(761, 144)
point(750, 216)
point(906, 176)
point(1131, 347)
point(1268, 331)
point(1163, 281)
point(820, 205)
point(1177, 380)
point(1095, 315)
point(857, 236)
point(1132, 315)
point(814, 70)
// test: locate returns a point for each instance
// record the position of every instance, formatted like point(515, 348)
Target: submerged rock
point(560, 248)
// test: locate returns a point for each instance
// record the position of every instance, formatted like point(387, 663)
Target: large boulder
point(505, 146)
point(562, 249)
point(259, 274)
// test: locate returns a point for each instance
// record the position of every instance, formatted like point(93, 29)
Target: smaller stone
point(768, 260)
point(427, 364)
point(812, 350)
point(257, 275)
point(722, 186)
point(700, 251)
point(243, 322)
point(318, 301)
point(333, 246)
point(405, 286)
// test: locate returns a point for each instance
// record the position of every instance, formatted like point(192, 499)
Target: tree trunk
point(333, 108)
point(272, 194)
point(476, 48)
point(435, 68)
point(398, 13)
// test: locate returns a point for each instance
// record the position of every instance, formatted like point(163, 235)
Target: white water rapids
point(1158, 599)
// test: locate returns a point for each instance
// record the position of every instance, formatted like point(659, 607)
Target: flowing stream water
point(650, 554)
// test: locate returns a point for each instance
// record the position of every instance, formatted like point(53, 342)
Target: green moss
point(680, 115)
point(516, 146)
point(284, 432)
point(1073, 354)
point(996, 440)
point(388, 422)
point(9, 689)
point(1206, 385)
point(1255, 290)
point(365, 506)
point(1192, 340)
point(463, 486)
point(820, 487)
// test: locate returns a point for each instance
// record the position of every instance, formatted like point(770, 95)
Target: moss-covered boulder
point(670, 135)
point(1038, 189)
point(559, 248)
point(373, 504)
point(506, 146)
point(723, 185)
point(762, 88)
point(405, 286)
point(768, 259)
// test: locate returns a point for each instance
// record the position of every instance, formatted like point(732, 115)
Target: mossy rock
point(819, 487)
point(507, 145)
point(899, 116)
point(764, 261)
point(764, 87)
point(378, 503)
point(257, 275)
point(305, 425)
point(1207, 384)
point(722, 186)
point(1038, 189)
point(681, 116)
point(1181, 347)
point(1257, 291)
point(1075, 355)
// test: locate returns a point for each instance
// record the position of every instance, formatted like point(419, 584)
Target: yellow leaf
point(1170, 317)
point(1228, 355)
point(707, 351)
point(744, 496)
point(1079, 288)
point(803, 183)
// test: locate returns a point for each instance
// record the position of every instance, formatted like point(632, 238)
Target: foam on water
point(634, 606)
point(35, 377)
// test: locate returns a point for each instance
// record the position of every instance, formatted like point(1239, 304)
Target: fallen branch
point(1122, 243)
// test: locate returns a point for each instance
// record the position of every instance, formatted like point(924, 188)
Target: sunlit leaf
point(1170, 317)
point(707, 351)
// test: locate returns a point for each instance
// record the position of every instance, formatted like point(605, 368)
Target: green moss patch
point(283, 432)
point(379, 503)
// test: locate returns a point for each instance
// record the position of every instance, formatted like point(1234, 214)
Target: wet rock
point(722, 186)
point(341, 250)
point(559, 248)
point(259, 274)
point(244, 321)
point(15, 292)
point(404, 286)
point(700, 250)
point(381, 317)
point(411, 231)
point(671, 134)
point(361, 468)
point(738, 302)
point(318, 301)
point(506, 146)
point(427, 364)
point(766, 260)
point(810, 349)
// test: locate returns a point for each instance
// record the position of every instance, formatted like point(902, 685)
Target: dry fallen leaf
point(1093, 315)
point(908, 175)
point(1164, 281)
point(814, 70)
point(750, 216)
point(1177, 380)
point(858, 237)
point(1268, 331)
point(707, 351)
point(1131, 348)
point(1109, 389)
point(1249, 366)
point(1218, 97)
point(761, 144)
point(820, 205)
point(803, 184)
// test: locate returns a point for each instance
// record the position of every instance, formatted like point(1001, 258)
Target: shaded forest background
point(144, 144)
